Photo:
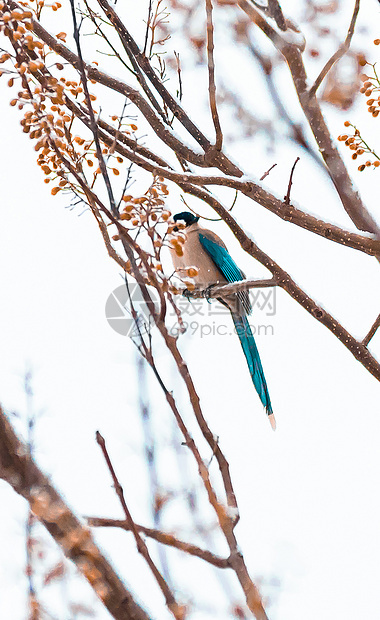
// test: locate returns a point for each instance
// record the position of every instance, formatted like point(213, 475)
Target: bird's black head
point(187, 217)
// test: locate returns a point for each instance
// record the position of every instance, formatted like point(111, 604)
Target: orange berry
point(192, 272)
point(189, 285)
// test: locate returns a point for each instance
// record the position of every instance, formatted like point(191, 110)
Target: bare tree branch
point(19, 470)
point(224, 290)
point(171, 602)
point(165, 539)
point(275, 11)
point(343, 49)
point(148, 216)
point(164, 132)
point(211, 77)
point(257, 193)
point(350, 198)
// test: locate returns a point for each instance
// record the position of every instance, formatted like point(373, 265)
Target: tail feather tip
point(272, 421)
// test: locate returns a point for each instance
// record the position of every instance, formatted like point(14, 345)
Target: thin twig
point(142, 61)
point(151, 461)
point(93, 124)
point(343, 49)
point(171, 603)
point(147, 26)
point(211, 77)
point(266, 174)
point(372, 331)
point(179, 73)
point(163, 538)
point(102, 34)
point(287, 197)
point(30, 521)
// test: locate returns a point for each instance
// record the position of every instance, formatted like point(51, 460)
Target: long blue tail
point(252, 356)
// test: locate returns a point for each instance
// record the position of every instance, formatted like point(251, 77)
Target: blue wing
point(226, 265)
point(221, 258)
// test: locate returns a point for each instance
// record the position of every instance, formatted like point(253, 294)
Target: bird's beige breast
point(195, 256)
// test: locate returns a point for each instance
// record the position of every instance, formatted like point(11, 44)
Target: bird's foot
point(187, 293)
point(206, 293)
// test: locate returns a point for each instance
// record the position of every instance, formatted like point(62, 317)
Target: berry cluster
point(359, 147)
point(355, 142)
point(371, 88)
point(55, 113)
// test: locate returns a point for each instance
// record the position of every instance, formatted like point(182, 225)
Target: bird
point(205, 251)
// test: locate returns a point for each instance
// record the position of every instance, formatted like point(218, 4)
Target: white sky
point(308, 494)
